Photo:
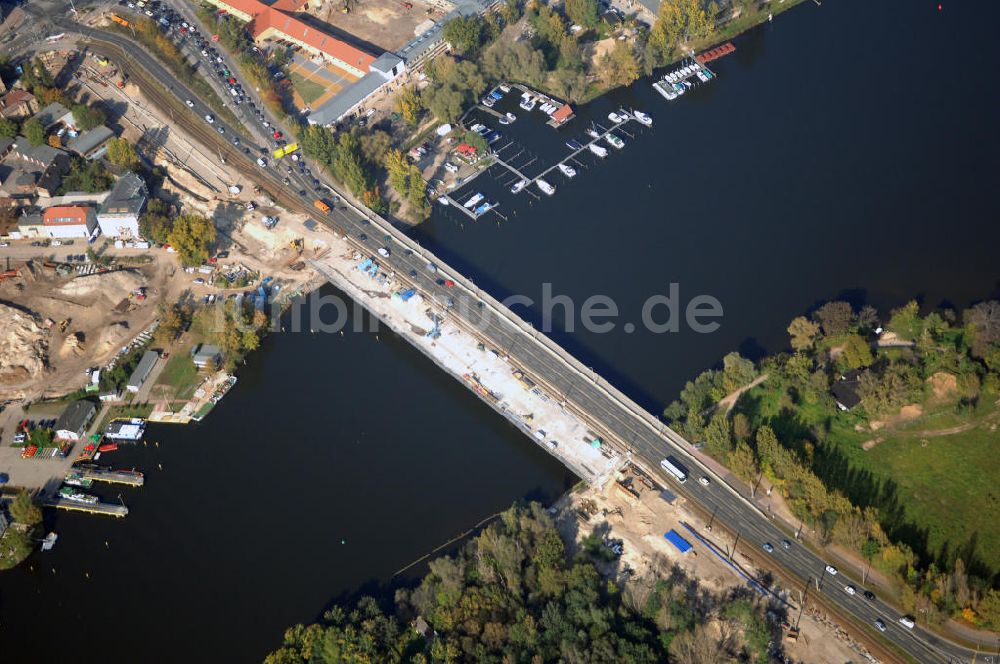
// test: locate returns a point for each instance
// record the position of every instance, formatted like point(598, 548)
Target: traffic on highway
point(649, 442)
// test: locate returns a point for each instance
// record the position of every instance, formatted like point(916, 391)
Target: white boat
point(527, 104)
point(504, 121)
point(598, 150)
point(510, 117)
point(592, 133)
point(518, 186)
point(443, 200)
point(643, 118)
point(614, 117)
point(567, 170)
point(49, 541)
point(615, 141)
point(545, 187)
point(505, 89)
point(472, 201)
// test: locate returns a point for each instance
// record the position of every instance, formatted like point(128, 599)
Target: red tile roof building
point(276, 22)
point(69, 221)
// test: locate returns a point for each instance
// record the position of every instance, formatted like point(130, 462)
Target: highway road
point(561, 375)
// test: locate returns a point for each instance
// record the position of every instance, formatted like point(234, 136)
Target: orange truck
point(321, 205)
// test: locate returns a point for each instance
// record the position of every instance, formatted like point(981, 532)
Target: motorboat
point(574, 144)
point(614, 117)
point(472, 201)
point(567, 170)
point(615, 141)
point(518, 186)
point(598, 150)
point(546, 188)
point(643, 118)
point(593, 133)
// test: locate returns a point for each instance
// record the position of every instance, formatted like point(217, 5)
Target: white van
point(907, 622)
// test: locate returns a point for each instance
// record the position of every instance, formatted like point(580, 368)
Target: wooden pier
point(107, 509)
point(126, 477)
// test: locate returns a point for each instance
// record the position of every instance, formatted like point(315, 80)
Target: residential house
point(845, 390)
point(27, 170)
point(55, 113)
point(142, 371)
point(29, 224)
point(73, 423)
point(69, 221)
point(118, 216)
point(206, 354)
point(18, 104)
point(91, 144)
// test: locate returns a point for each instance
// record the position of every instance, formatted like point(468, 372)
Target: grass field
point(179, 377)
point(308, 89)
point(945, 484)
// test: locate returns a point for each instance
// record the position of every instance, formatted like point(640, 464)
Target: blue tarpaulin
point(682, 544)
point(407, 294)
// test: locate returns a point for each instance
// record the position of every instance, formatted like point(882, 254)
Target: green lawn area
point(179, 377)
point(945, 484)
point(308, 89)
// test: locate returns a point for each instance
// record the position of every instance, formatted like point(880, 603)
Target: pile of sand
point(23, 346)
point(113, 285)
point(113, 336)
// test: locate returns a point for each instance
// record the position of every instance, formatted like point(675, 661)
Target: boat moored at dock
point(615, 141)
point(593, 133)
point(71, 494)
point(472, 201)
point(614, 117)
point(598, 150)
point(546, 188)
point(125, 430)
point(642, 118)
point(573, 144)
point(518, 186)
point(567, 170)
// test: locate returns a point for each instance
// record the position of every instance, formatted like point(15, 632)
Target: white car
point(879, 624)
point(199, 281)
point(450, 167)
point(850, 590)
point(704, 481)
point(907, 622)
point(384, 252)
point(209, 119)
point(190, 104)
point(261, 163)
point(831, 570)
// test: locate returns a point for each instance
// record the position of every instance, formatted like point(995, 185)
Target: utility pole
point(803, 595)
point(735, 542)
point(712, 520)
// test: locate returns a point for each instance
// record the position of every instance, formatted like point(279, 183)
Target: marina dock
point(126, 477)
point(108, 509)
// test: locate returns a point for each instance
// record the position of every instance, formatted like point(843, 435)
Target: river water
point(845, 150)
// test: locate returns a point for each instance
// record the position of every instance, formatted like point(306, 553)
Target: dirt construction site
point(635, 513)
point(377, 25)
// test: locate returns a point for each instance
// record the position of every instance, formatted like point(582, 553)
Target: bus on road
point(672, 466)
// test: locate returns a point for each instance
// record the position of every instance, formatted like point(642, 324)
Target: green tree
point(718, 439)
point(618, 67)
point(34, 131)
point(155, 223)
point(88, 117)
point(191, 236)
point(856, 353)
point(24, 510)
point(122, 154)
point(803, 333)
point(409, 105)
point(463, 33)
point(835, 318)
point(8, 128)
point(583, 12)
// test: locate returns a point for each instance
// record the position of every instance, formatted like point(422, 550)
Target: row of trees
point(513, 594)
point(782, 429)
point(352, 157)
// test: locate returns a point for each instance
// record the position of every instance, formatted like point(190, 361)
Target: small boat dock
point(126, 477)
point(107, 509)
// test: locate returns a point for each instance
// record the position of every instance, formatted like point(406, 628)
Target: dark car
point(869, 595)
point(302, 192)
point(363, 237)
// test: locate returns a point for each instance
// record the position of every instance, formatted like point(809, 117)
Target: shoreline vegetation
point(518, 592)
point(570, 53)
point(881, 438)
